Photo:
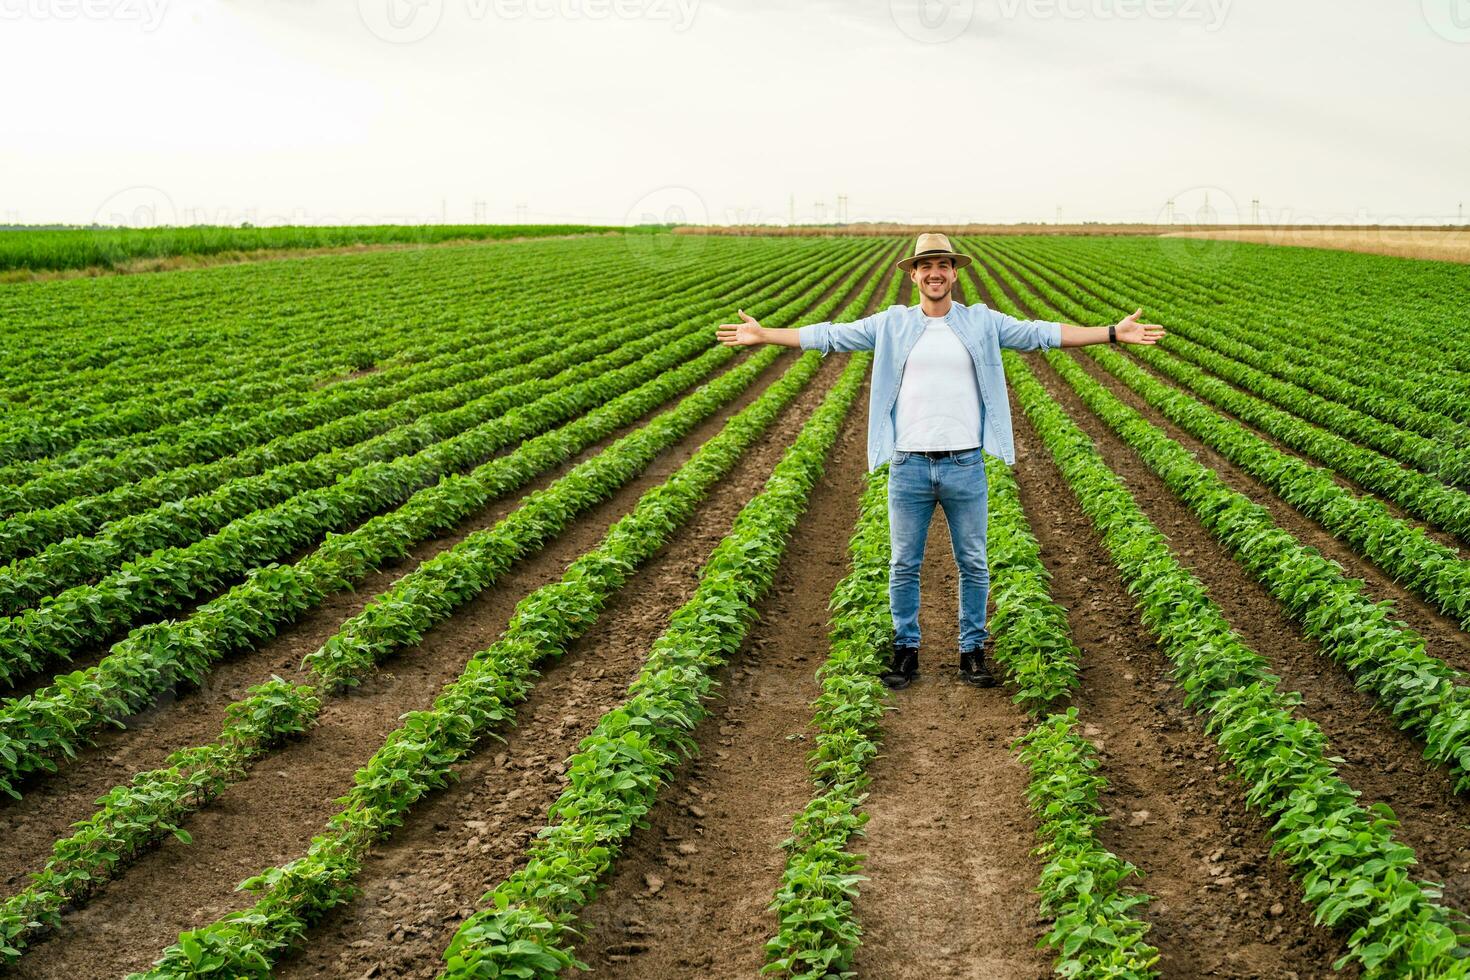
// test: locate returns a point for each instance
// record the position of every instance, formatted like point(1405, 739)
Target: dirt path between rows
point(461, 842)
point(1056, 279)
point(1381, 761)
point(1222, 907)
point(688, 897)
point(1443, 636)
point(272, 815)
point(949, 835)
point(192, 716)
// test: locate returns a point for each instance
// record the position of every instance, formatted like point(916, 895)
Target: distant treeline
point(41, 250)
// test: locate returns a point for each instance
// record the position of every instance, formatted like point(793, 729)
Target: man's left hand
point(1130, 331)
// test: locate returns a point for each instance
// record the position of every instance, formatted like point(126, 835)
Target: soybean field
point(468, 611)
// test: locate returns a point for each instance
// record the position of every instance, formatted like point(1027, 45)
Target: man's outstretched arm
point(1041, 334)
point(825, 337)
point(748, 333)
point(1128, 331)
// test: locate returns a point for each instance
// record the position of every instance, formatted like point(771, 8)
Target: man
point(938, 402)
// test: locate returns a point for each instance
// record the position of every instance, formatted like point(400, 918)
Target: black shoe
point(973, 669)
point(904, 667)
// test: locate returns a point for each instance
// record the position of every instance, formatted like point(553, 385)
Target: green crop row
point(176, 522)
point(175, 800)
point(1378, 344)
point(1421, 692)
point(37, 731)
point(1405, 552)
point(418, 758)
point(1288, 359)
point(1095, 932)
point(131, 818)
point(546, 621)
point(1033, 642)
point(1353, 870)
point(818, 932)
point(221, 437)
point(168, 578)
point(1227, 360)
point(615, 777)
point(135, 387)
point(151, 403)
point(1444, 507)
point(418, 601)
point(245, 327)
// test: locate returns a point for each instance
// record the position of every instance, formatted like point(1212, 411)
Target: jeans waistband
point(938, 453)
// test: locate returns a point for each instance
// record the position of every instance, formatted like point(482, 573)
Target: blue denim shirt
point(891, 334)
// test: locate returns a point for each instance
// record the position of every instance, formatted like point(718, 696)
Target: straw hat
point(933, 244)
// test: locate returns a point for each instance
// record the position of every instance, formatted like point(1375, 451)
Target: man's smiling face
point(934, 277)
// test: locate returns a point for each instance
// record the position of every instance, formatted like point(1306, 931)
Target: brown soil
point(349, 376)
point(1442, 537)
point(1381, 761)
point(1222, 906)
point(688, 897)
point(952, 883)
point(192, 716)
point(951, 879)
point(1442, 635)
point(455, 846)
point(271, 816)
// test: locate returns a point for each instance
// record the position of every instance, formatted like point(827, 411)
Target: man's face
point(934, 277)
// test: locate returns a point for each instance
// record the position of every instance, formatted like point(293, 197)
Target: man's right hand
point(747, 333)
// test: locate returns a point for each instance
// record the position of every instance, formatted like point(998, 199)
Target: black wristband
point(1112, 334)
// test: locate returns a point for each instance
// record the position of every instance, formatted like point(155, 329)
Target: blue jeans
point(957, 483)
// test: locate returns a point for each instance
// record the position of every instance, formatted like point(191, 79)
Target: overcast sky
point(613, 111)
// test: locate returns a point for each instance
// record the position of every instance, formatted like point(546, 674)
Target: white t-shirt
point(939, 397)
